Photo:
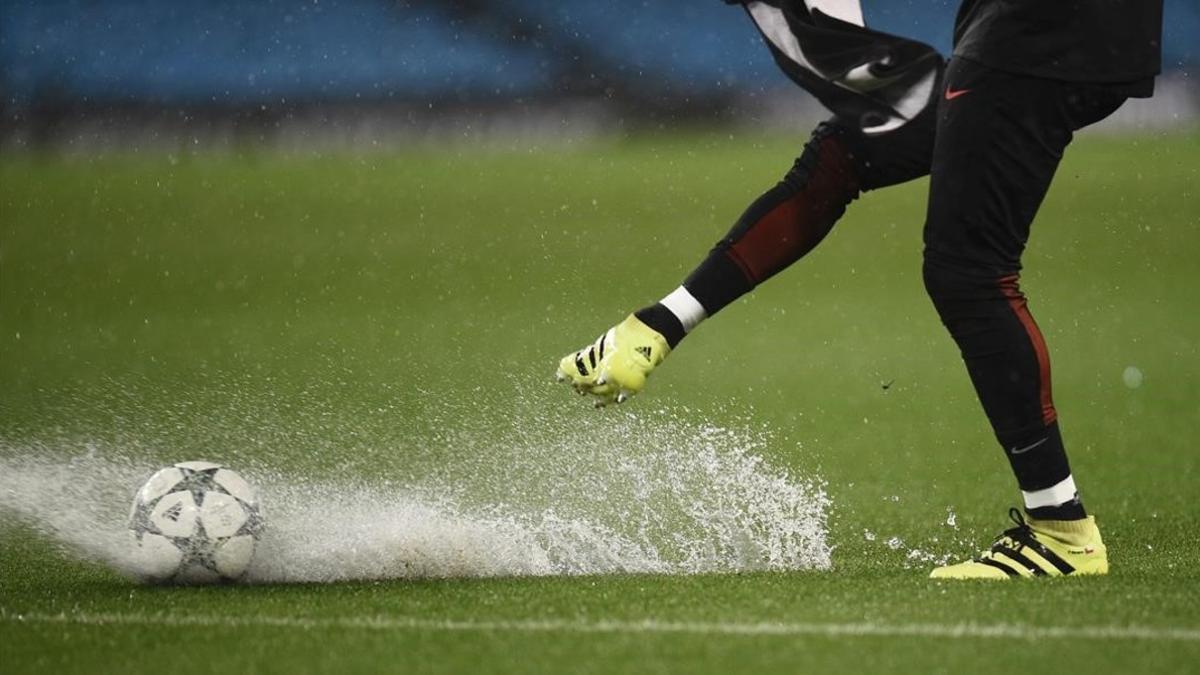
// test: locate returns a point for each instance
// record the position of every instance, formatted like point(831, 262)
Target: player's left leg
point(779, 228)
point(999, 141)
point(788, 221)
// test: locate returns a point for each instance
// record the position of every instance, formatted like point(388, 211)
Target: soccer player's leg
point(999, 140)
point(777, 229)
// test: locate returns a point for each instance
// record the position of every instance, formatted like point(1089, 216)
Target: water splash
point(951, 518)
point(645, 493)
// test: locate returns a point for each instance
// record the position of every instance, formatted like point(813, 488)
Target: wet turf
point(330, 315)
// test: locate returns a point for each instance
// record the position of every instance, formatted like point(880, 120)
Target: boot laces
point(1014, 537)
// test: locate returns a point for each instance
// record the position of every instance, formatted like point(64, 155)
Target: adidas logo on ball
point(172, 514)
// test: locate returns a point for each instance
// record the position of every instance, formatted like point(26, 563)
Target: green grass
point(336, 317)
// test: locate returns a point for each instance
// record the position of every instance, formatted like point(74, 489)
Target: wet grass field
point(383, 323)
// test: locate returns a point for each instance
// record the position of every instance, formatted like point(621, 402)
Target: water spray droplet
point(1132, 377)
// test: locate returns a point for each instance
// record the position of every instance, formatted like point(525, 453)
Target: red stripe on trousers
point(795, 226)
point(773, 242)
point(1016, 300)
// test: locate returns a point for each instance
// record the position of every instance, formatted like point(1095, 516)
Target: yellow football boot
point(1038, 548)
point(616, 365)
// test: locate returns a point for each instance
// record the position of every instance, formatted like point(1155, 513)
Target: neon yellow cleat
point(616, 365)
point(1039, 548)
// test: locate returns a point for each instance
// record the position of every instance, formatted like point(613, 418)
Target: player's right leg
point(777, 229)
point(1000, 138)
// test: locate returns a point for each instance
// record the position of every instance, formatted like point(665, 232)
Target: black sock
point(661, 319)
point(1072, 510)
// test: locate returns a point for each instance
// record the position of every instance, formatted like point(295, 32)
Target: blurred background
point(90, 74)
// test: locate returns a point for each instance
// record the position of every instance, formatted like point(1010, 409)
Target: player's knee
point(829, 165)
point(937, 283)
point(949, 286)
point(794, 216)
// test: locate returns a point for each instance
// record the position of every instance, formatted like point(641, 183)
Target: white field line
point(402, 623)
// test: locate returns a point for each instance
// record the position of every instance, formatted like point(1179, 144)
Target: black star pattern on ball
point(254, 521)
point(139, 520)
point(198, 549)
point(198, 482)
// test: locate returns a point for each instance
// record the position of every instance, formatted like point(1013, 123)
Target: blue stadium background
point(236, 53)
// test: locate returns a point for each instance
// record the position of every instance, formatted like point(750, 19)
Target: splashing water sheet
point(649, 493)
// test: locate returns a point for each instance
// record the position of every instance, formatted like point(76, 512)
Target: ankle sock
point(674, 316)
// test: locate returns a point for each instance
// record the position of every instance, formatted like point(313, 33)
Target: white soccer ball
point(194, 522)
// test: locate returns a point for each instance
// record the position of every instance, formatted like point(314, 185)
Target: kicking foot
point(616, 365)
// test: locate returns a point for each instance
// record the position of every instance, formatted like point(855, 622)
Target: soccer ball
point(194, 522)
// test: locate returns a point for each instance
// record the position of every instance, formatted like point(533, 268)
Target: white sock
point(1056, 495)
point(685, 307)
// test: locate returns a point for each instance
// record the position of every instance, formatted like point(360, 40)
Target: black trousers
point(991, 147)
point(998, 141)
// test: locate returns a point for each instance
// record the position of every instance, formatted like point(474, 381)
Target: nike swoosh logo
point(952, 94)
point(1021, 451)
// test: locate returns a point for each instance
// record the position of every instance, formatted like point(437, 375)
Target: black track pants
point(785, 223)
point(998, 142)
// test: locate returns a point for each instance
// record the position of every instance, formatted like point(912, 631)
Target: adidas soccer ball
point(194, 522)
